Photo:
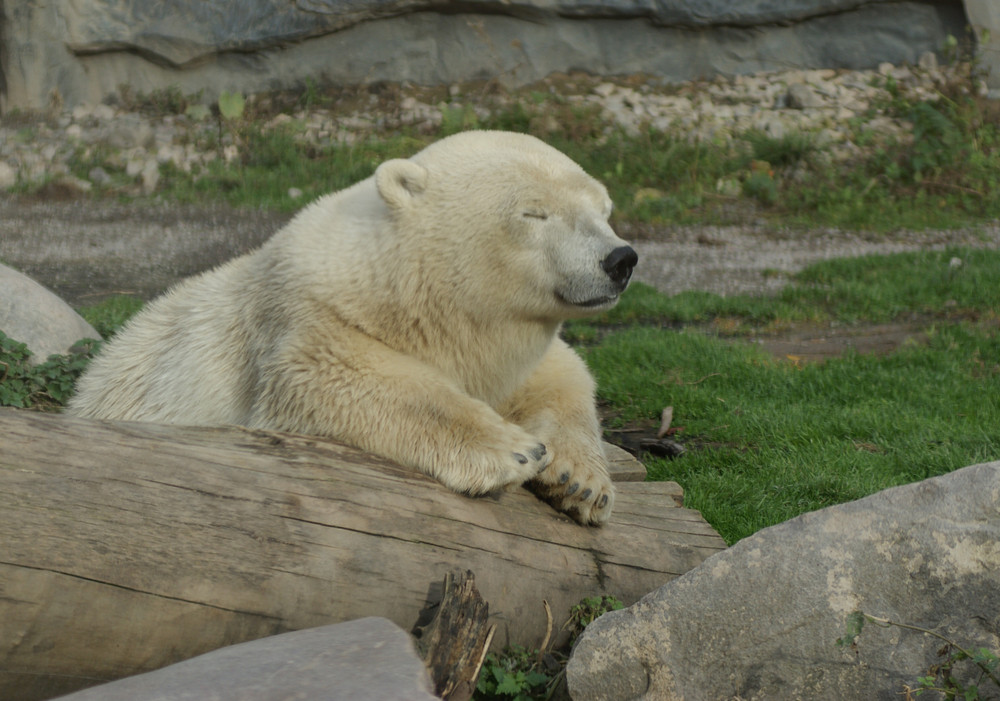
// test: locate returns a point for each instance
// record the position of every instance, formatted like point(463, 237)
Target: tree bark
point(125, 547)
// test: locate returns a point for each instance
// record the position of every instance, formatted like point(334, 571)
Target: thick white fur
point(413, 315)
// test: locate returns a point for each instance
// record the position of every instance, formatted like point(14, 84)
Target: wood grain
point(125, 547)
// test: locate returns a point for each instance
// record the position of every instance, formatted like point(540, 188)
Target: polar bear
point(414, 315)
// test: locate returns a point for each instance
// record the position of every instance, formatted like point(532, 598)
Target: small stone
point(134, 166)
point(800, 97)
point(150, 176)
point(928, 61)
point(604, 89)
point(728, 187)
point(81, 112)
point(8, 176)
point(73, 185)
point(294, 192)
point(98, 176)
point(104, 113)
point(129, 131)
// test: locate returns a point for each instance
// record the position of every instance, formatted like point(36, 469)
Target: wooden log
point(125, 547)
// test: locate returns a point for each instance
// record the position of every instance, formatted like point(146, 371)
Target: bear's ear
point(399, 181)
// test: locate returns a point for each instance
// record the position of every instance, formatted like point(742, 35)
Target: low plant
point(942, 677)
point(519, 674)
point(111, 314)
point(47, 385)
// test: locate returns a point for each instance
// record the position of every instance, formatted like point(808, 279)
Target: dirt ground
point(87, 249)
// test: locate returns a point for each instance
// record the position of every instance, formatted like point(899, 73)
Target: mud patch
point(815, 344)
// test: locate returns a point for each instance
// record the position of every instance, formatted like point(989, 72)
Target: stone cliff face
point(80, 52)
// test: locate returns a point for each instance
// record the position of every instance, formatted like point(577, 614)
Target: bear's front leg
point(557, 405)
point(348, 387)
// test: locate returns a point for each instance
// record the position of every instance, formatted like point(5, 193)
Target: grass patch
point(942, 172)
point(769, 439)
point(111, 314)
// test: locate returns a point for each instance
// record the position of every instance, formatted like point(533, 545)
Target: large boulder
point(81, 52)
point(36, 317)
point(369, 658)
point(984, 18)
point(760, 620)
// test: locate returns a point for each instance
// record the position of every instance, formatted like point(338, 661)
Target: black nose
point(619, 263)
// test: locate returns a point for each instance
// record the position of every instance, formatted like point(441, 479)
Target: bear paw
point(580, 488)
point(494, 468)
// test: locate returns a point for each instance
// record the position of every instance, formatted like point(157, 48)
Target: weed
point(513, 675)
point(47, 385)
point(941, 678)
point(111, 314)
point(791, 149)
point(589, 610)
point(517, 674)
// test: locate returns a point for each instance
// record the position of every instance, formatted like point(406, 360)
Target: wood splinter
point(454, 644)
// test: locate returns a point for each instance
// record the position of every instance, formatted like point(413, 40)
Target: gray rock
point(801, 97)
point(84, 50)
point(129, 131)
point(98, 176)
point(370, 658)
point(984, 17)
point(760, 620)
point(31, 314)
point(180, 32)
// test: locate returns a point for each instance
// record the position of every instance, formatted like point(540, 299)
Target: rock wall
point(79, 52)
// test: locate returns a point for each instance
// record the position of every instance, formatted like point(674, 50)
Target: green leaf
point(198, 112)
point(231, 104)
point(536, 679)
point(511, 684)
point(854, 625)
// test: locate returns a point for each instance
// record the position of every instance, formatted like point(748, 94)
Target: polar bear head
point(503, 214)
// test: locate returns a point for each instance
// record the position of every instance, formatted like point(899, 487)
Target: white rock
point(103, 112)
point(98, 176)
point(134, 166)
point(8, 176)
point(150, 176)
point(604, 89)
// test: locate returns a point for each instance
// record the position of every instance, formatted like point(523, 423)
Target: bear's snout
point(619, 263)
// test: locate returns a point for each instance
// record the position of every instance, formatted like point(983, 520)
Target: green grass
point(769, 439)
point(108, 316)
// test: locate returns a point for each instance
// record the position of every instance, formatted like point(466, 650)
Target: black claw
point(539, 452)
point(603, 502)
point(564, 478)
point(520, 458)
point(586, 494)
point(572, 490)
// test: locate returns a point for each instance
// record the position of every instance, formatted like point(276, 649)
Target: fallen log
point(125, 547)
